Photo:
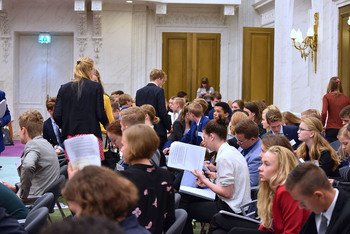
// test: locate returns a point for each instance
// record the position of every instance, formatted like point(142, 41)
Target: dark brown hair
point(247, 127)
point(218, 127)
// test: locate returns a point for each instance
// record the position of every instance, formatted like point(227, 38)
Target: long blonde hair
point(343, 132)
point(285, 162)
point(318, 144)
point(82, 70)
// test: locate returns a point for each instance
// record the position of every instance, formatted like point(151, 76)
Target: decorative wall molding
point(81, 37)
point(5, 35)
point(211, 19)
point(268, 18)
point(97, 35)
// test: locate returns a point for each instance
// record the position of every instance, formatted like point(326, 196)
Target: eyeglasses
point(241, 142)
point(302, 129)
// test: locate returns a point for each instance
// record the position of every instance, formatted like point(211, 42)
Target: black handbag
point(6, 136)
point(111, 157)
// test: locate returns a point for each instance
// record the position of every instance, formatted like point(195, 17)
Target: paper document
point(2, 108)
point(83, 151)
point(188, 185)
point(186, 156)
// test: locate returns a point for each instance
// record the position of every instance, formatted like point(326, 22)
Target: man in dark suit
point(51, 131)
point(153, 94)
point(274, 119)
point(4, 120)
point(309, 186)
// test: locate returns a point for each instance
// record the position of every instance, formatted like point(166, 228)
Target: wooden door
point(187, 57)
point(258, 59)
point(344, 49)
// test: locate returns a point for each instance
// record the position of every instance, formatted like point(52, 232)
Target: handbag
point(111, 157)
point(6, 136)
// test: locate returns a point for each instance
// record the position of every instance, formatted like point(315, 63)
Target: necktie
point(323, 225)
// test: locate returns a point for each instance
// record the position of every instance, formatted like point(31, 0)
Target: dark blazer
point(189, 137)
point(4, 121)
point(80, 116)
point(49, 133)
point(291, 132)
point(339, 222)
point(154, 95)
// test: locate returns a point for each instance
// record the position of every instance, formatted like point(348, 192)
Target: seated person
point(9, 225)
point(100, 191)
point(277, 210)
point(11, 202)
point(181, 125)
point(222, 108)
point(274, 119)
point(155, 209)
point(125, 101)
point(247, 135)
point(231, 183)
point(86, 224)
point(315, 148)
point(309, 186)
point(38, 166)
point(116, 110)
point(215, 97)
point(236, 117)
point(51, 131)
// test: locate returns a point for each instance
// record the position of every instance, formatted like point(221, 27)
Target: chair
point(63, 171)
point(177, 200)
point(254, 192)
point(345, 173)
point(36, 220)
point(45, 200)
point(55, 188)
point(250, 216)
point(180, 220)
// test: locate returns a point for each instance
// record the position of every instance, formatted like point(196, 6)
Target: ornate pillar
point(81, 37)
point(97, 35)
point(5, 35)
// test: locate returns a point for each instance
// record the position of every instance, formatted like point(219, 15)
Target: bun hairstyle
point(218, 127)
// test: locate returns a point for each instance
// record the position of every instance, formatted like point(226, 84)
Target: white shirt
point(232, 169)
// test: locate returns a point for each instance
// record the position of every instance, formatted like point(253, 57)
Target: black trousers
point(221, 224)
point(200, 209)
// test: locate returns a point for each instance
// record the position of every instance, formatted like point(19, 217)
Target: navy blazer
point(189, 137)
point(80, 116)
point(49, 133)
point(4, 121)
point(339, 222)
point(154, 95)
point(291, 132)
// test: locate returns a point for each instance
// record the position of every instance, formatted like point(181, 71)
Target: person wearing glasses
point(247, 135)
point(315, 148)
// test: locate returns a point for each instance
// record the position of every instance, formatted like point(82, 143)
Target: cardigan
point(333, 105)
point(286, 215)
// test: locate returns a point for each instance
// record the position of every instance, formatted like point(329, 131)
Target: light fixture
point(96, 5)
point(310, 42)
point(79, 5)
point(44, 38)
point(349, 21)
point(128, 1)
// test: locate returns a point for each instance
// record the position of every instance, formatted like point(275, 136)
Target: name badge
point(292, 142)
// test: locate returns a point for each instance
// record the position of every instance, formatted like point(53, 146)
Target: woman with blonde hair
point(315, 148)
point(79, 107)
point(236, 117)
point(333, 102)
point(278, 211)
point(344, 149)
point(150, 115)
point(107, 105)
point(290, 119)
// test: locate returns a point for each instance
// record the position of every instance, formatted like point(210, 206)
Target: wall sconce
point(349, 21)
point(309, 42)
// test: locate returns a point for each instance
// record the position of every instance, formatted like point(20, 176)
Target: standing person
point(79, 106)
point(107, 105)
point(153, 94)
point(205, 90)
point(333, 102)
point(4, 120)
point(330, 207)
point(315, 148)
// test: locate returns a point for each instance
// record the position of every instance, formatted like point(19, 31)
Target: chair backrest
point(36, 220)
point(249, 209)
point(55, 188)
point(178, 225)
point(63, 171)
point(345, 173)
point(46, 200)
point(177, 200)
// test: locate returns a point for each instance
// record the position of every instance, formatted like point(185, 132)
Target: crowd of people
point(249, 147)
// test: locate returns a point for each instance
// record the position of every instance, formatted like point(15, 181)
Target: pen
point(211, 159)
